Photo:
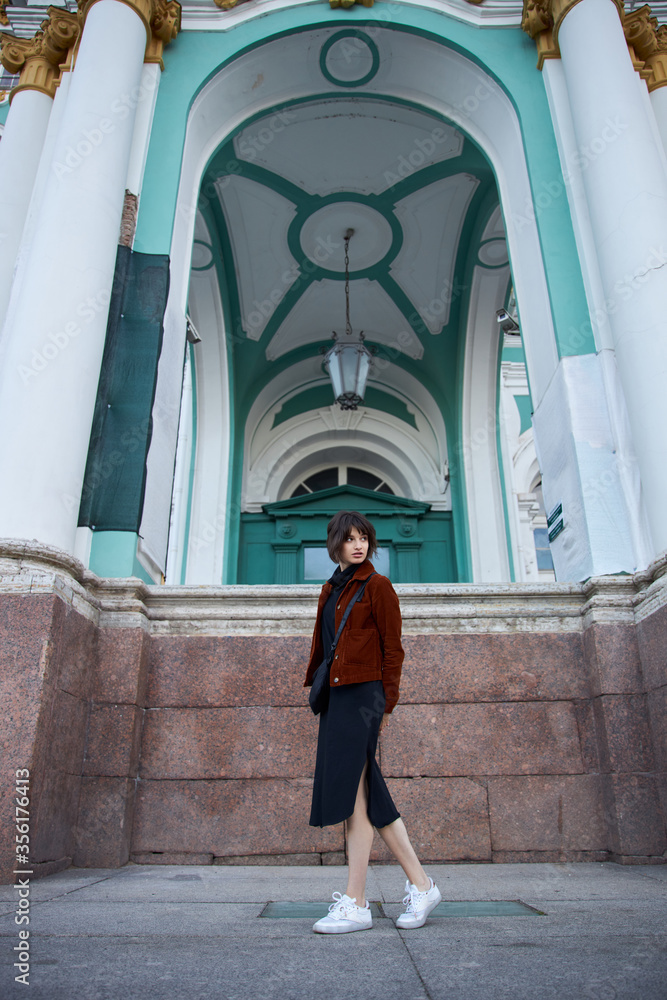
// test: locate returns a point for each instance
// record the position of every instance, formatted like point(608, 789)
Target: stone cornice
point(30, 568)
point(40, 59)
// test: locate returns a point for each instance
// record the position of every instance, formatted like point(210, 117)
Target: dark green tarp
point(115, 478)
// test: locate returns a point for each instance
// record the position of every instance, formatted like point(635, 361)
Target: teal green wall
point(114, 553)
point(4, 111)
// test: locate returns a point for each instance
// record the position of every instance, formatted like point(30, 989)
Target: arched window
point(338, 475)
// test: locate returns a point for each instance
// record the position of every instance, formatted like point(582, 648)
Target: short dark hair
point(338, 530)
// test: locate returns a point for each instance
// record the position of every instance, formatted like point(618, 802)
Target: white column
point(659, 105)
point(626, 189)
point(20, 150)
point(39, 186)
point(56, 325)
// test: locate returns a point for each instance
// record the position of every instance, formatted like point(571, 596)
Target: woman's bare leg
point(396, 838)
point(359, 843)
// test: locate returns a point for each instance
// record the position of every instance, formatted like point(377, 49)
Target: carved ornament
point(40, 59)
point(537, 21)
point(165, 25)
point(542, 19)
point(3, 17)
point(161, 18)
point(351, 3)
point(648, 46)
point(228, 4)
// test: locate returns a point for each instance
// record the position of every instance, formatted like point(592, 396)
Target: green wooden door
point(286, 543)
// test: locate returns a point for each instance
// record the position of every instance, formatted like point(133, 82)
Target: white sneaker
point(418, 905)
point(344, 916)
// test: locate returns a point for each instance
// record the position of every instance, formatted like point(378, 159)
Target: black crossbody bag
point(319, 692)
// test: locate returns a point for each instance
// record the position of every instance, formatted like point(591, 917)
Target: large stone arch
point(422, 72)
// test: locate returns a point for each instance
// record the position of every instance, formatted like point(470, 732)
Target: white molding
point(479, 415)
point(444, 609)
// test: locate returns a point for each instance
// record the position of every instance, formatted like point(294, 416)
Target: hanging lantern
point(348, 362)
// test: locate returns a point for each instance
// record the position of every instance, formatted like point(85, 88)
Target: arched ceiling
point(276, 200)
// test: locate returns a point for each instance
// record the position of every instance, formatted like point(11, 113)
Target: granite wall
point(170, 725)
point(46, 650)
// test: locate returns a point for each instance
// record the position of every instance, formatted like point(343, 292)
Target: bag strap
point(346, 615)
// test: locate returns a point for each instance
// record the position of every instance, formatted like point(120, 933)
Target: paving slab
point(177, 932)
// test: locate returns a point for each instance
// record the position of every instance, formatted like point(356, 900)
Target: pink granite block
point(63, 726)
point(637, 824)
point(661, 793)
point(652, 639)
point(229, 817)
point(121, 674)
point(53, 816)
point(657, 711)
point(547, 857)
point(612, 653)
point(25, 670)
point(447, 819)
point(584, 712)
point(625, 735)
point(25, 666)
point(254, 742)
point(493, 667)
point(74, 642)
point(113, 742)
point(511, 738)
point(104, 822)
point(172, 859)
point(547, 813)
point(228, 670)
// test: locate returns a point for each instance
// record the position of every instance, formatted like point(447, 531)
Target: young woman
point(364, 678)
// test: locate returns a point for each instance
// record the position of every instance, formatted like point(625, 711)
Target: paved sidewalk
point(172, 932)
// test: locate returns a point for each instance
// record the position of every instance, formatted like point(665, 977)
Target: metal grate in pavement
point(486, 908)
point(458, 908)
point(314, 910)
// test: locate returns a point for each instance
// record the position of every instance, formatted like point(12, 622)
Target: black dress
point(348, 736)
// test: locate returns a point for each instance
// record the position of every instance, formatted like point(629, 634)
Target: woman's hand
point(384, 721)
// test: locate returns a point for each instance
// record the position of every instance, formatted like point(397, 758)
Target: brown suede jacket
point(369, 648)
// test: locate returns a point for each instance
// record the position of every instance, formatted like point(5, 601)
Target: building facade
point(176, 186)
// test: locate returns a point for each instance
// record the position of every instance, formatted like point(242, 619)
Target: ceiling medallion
point(374, 238)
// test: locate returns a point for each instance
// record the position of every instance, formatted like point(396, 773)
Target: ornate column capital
point(648, 46)
point(537, 21)
point(161, 18)
point(542, 19)
point(40, 59)
point(165, 25)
